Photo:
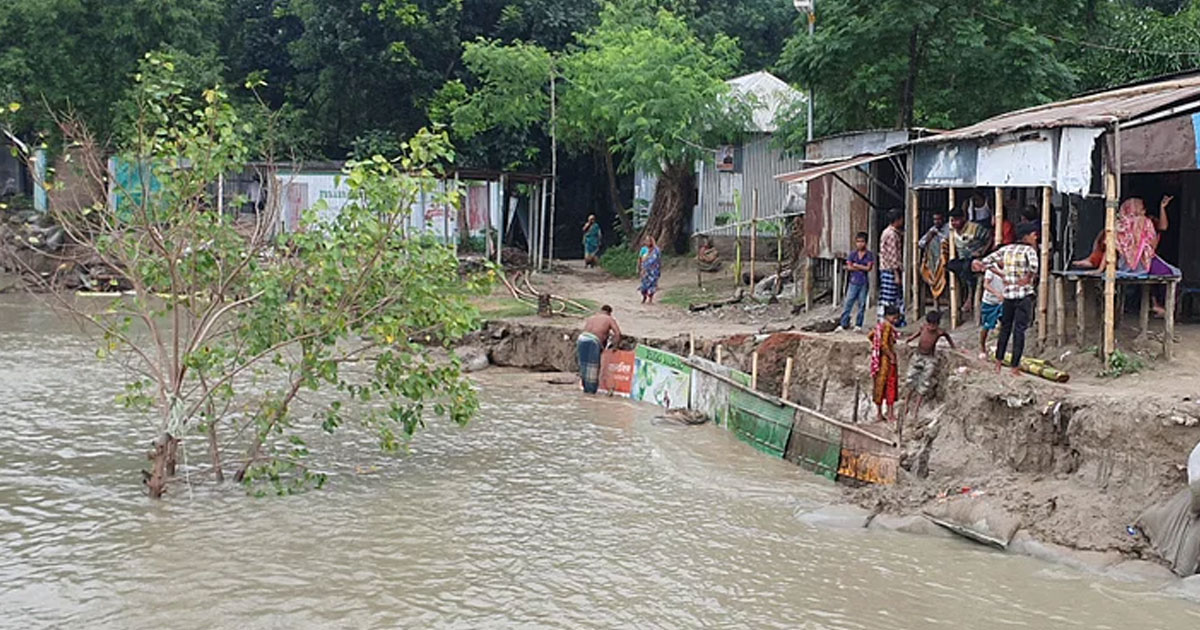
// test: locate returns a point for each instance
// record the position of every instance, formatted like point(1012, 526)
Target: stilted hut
point(1075, 161)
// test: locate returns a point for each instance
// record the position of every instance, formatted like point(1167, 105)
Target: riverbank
point(1054, 471)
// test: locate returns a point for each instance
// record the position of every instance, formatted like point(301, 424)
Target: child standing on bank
point(993, 306)
point(922, 369)
point(859, 263)
point(884, 372)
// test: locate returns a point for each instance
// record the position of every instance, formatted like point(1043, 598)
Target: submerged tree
point(225, 323)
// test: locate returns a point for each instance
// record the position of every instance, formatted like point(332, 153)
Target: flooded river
point(550, 510)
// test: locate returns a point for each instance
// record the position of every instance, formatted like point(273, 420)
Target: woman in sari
point(1137, 241)
point(591, 241)
point(649, 268)
point(884, 370)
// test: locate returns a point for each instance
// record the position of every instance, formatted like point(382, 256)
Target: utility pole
point(553, 160)
point(809, 8)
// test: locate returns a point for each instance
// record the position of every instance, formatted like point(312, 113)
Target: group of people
point(649, 258)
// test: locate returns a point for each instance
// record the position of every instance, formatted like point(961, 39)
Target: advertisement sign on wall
point(616, 372)
point(661, 378)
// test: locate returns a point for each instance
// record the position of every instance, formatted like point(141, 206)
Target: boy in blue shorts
point(993, 305)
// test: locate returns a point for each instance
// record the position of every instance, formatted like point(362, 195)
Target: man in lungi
point(891, 266)
point(598, 331)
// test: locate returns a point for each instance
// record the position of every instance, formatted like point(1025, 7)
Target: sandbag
point(1173, 528)
point(976, 519)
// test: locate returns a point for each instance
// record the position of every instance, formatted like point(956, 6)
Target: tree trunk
point(668, 213)
point(909, 90)
point(162, 465)
point(214, 451)
point(614, 194)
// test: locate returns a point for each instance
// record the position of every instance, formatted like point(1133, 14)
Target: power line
point(1104, 47)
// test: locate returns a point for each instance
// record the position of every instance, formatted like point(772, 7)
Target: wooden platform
point(1084, 279)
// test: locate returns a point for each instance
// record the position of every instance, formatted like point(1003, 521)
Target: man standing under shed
point(891, 266)
point(1017, 264)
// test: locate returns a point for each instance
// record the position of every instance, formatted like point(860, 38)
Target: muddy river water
point(550, 510)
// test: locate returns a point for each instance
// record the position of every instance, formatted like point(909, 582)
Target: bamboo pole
point(913, 274)
point(1060, 311)
point(998, 218)
point(787, 378)
point(1044, 271)
point(952, 276)
point(754, 370)
point(1110, 265)
point(753, 234)
point(720, 353)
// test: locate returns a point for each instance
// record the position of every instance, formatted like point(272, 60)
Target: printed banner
point(710, 395)
point(661, 378)
point(616, 372)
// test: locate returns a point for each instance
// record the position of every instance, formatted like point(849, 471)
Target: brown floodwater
point(550, 510)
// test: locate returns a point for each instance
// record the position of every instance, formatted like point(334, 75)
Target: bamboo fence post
point(1169, 322)
point(1044, 271)
point(1110, 265)
point(953, 277)
point(1060, 311)
point(753, 235)
point(1080, 312)
point(914, 273)
point(754, 370)
point(998, 218)
point(787, 378)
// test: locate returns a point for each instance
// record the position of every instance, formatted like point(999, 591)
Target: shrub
point(620, 261)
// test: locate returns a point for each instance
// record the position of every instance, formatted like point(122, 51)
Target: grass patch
point(507, 307)
point(620, 261)
point(683, 296)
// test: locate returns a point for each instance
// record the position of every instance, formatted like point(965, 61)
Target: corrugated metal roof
point(804, 175)
point(1093, 110)
point(772, 96)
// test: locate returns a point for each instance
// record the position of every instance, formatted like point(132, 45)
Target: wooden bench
point(1082, 279)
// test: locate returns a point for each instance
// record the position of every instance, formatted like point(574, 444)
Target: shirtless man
point(597, 330)
point(922, 369)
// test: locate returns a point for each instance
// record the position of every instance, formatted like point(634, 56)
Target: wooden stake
point(998, 218)
point(1060, 311)
point(787, 379)
point(720, 351)
point(952, 276)
point(1044, 271)
point(808, 282)
point(1110, 265)
point(1169, 322)
point(857, 385)
point(1080, 312)
point(754, 370)
point(913, 273)
point(1144, 314)
point(753, 235)
point(691, 344)
point(824, 388)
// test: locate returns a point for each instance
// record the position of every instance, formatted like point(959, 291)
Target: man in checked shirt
point(1017, 264)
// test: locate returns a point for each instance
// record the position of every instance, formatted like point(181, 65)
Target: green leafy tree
point(648, 88)
point(226, 324)
point(936, 63)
